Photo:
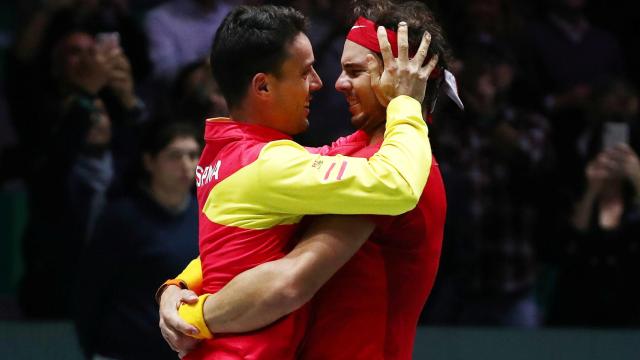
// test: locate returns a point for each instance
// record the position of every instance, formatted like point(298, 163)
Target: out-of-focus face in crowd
point(173, 168)
point(70, 56)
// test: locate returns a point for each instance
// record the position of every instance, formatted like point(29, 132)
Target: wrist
point(171, 282)
point(129, 101)
point(88, 89)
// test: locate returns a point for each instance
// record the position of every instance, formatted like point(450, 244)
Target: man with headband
point(371, 290)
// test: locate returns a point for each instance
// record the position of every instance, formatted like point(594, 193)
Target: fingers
point(173, 321)
point(169, 304)
point(421, 54)
point(374, 71)
point(373, 68)
point(427, 69)
point(188, 296)
point(385, 49)
point(177, 341)
point(403, 45)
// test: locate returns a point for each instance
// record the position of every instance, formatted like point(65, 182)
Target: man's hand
point(92, 73)
point(174, 330)
point(121, 78)
point(401, 76)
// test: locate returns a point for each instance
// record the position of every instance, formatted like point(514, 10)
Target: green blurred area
point(13, 217)
point(19, 340)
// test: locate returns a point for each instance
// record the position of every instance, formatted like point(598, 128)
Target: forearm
point(252, 300)
point(269, 291)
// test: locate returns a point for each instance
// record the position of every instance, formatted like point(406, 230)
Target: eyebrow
point(350, 65)
point(308, 66)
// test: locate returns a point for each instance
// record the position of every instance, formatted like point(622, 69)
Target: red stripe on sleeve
point(342, 168)
point(326, 176)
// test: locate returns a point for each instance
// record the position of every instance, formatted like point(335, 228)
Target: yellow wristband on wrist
point(194, 315)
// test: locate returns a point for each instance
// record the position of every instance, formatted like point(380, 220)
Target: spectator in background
point(49, 64)
point(329, 21)
point(196, 96)
point(50, 18)
point(567, 57)
point(492, 158)
point(141, 237)
point(180, 32)
point(602, 249)
point(485, 23)
point(73, 127)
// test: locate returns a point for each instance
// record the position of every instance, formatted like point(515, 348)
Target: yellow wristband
point(194, 315)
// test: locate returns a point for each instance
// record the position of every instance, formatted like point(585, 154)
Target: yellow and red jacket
point(254, 187)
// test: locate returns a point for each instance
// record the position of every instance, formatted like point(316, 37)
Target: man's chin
point(358, 120)
point(304, 126)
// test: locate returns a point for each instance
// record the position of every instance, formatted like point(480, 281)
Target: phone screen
point(614, 133)
point(108, 39)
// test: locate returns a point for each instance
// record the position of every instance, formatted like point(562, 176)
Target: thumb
point(374, 71)
point(189, 297)
point(373, 68)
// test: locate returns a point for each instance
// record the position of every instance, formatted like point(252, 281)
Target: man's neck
point(376, 137)
point(173, 201)
point(248, 113)
point(375, 133)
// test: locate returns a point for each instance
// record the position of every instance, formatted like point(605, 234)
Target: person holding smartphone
point(601, 247)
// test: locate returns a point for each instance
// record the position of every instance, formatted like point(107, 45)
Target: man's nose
point(342, 83)
point(316, 82)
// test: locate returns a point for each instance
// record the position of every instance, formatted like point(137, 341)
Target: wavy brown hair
point(418, 17)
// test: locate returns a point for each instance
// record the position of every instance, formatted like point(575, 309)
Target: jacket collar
point(225, 129)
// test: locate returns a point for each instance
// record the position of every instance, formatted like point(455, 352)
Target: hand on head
point(401, 76)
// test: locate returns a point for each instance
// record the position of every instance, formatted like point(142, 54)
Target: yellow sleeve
point(287, 179)
point(192, 276)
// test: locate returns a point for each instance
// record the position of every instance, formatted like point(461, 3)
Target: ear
point(261, 85)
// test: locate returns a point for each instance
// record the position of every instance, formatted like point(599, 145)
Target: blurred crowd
point(106, 101)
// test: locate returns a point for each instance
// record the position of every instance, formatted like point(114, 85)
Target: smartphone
point(614, 133)
point(108, 40)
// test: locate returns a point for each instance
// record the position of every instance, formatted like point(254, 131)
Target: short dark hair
point(250, 40)
point(157, 136)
